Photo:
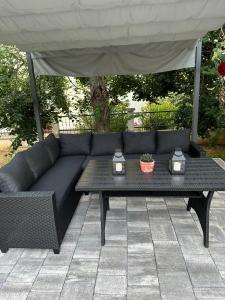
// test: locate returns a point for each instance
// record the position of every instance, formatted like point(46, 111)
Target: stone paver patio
point(153, 250)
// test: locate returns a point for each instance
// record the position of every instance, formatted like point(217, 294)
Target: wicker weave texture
point(28, 220)
point(202, 174)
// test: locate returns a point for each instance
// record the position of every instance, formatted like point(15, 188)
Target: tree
point(99, 100)
point(16, 108)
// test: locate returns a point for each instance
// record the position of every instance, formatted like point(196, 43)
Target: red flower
point(221, 69)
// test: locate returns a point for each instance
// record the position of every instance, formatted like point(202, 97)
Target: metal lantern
point(118, 163)
point(177, 162)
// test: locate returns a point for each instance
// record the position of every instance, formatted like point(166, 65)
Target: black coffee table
point(202, 175)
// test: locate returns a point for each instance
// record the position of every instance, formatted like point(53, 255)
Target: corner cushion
point(52, 146)
point(168, 140)
point(37, 158)
point(16, 176)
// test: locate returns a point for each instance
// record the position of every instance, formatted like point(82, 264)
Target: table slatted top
point(202, 174)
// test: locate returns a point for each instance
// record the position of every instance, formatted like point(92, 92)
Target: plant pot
point(147, 167)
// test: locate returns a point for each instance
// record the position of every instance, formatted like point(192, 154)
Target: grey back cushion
point(16, 175)
point(75, 144)
point(139, 142)
point(52, 146)
point(106, 143)
point(38, 159)
point(168, 140)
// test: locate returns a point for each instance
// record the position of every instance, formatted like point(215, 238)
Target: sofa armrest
point(28, 220)
point(196, 151)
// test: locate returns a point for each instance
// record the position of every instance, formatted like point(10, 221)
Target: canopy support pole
point(195, 111)
point(34, 94)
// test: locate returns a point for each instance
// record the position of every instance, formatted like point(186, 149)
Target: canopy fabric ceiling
point(97, 37)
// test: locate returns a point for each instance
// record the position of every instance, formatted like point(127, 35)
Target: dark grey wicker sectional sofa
point(38, 198)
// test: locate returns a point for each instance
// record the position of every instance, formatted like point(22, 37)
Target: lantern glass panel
point(177, 162)
point(118, 163)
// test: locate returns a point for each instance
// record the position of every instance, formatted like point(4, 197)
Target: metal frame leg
point(56, 251)
point(103, 209)
point(202, 206)
point(106, 198)
point(4, 250)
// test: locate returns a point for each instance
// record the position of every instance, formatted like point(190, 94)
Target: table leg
point(106, 198)
point(201, 206)
point(103, 217)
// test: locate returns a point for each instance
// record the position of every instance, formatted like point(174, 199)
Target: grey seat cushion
point(75, 144)
point(52, 146)
point(38, 159)
point(106, 143)
point(16, 175)
point(60, 178)
point(139, 142)
point(168, 140)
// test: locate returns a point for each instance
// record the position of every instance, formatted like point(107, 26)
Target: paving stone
point(136, 204)
point(116, 233)
point(82, 267)
point(85, 249)
point(14, 291)
point(4, 273)
point(175, 285)
point(138, 221)
point(113, 261)
point(117, 214)
point(203, 272)
point(142, 270)
point(91, 229)
point(210, 293)
point(192, 244)
point(139, 242)
point(156, 200)
point(36, 295)
point(158, 211)
point(169, 256)
point(111, 285)
point(216, 233)
point(62, 270)
point(109, 297)
point(77, 222)
point(118, 202)
point(174, 202)
point(35, 253)
point(162, 231)
point(61, 259)
point(143, 293)
point(25, 270)
point(82, 289)
point(11, 257)
point(185, 225)
point(220, 217)
point(49, 282)
point(70, 240)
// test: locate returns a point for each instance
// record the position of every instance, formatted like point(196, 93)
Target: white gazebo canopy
point(99, 37)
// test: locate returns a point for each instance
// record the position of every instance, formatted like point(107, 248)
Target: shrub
point(158, 115)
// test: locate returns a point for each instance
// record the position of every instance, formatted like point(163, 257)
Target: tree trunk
point(100, 103)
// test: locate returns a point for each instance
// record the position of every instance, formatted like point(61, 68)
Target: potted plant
point(147, 163)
